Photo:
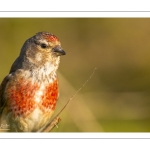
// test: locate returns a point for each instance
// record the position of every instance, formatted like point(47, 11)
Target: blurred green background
point(117, 97)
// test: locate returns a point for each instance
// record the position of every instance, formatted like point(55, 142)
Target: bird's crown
point(48, 36)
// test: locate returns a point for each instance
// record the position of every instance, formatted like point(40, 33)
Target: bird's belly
point(33, 122)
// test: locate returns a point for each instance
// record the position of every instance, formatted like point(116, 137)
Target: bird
point(29, 93)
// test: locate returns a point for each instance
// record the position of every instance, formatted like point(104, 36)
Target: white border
point(74, 14)
point(75, 5)
point(75, 135)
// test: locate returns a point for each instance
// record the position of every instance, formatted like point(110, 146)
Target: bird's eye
point(43, 45)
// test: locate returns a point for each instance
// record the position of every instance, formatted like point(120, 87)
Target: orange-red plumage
point(50, 96)
point(51, 38)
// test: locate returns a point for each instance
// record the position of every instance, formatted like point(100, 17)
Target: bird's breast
point(24, 96)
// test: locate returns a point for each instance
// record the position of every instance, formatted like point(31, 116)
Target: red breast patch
point(21, 97)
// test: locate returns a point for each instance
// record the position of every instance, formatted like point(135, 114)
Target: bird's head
point(42, 48)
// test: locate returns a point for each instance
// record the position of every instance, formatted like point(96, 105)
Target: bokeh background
point(117, 97)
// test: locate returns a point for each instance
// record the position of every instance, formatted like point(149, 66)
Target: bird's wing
point(2, 89)
point(16, 65)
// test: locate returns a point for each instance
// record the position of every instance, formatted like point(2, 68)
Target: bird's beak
point(59, 51)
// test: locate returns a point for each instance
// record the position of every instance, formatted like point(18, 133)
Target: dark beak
point(59, 51)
